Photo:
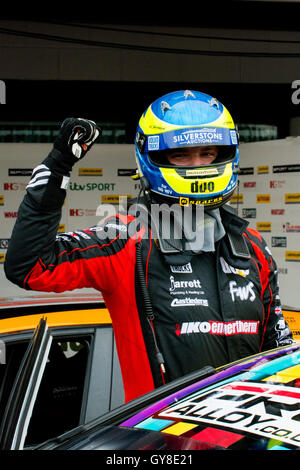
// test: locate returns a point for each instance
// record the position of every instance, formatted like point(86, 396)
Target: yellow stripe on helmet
point(195, 187)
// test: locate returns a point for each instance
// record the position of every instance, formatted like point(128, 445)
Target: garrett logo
point(192, 284)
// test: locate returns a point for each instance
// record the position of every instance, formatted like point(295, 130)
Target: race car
point(253, 404)
point(61, 389)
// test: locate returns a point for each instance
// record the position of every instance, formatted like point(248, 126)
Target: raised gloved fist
point(76, 136)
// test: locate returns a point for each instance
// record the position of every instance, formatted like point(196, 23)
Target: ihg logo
point(2, 92)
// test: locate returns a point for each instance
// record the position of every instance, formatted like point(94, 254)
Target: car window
point(59, 400)
point(14, 353)
point(81, 381)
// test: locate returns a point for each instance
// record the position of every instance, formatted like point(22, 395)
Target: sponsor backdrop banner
point(268, 196)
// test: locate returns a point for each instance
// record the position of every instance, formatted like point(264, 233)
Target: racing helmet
point(187, 119)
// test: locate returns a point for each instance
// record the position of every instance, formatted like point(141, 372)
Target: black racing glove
point(75, 138)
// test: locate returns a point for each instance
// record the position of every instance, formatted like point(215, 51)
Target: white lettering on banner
point(220, 328)
point(267, 410)
point(242, 292)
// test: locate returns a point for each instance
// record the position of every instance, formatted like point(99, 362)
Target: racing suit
point(208, 309)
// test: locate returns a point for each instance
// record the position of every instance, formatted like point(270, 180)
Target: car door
point(19, 406)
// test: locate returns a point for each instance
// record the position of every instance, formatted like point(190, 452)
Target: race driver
point(177, 303)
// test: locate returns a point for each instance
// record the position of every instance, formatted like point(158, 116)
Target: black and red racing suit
point(209, 309)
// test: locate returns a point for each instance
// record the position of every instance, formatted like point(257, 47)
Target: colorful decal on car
point(260, 403)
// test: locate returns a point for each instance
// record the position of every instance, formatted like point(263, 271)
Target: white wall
point(269, 191)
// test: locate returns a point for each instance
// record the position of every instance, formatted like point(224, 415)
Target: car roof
point(24, 312)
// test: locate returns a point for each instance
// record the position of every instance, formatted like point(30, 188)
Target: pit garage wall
point(268, 196)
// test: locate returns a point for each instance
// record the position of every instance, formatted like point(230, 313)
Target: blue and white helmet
point(187, 119)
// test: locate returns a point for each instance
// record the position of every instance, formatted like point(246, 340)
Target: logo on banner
point(82, 212)
point(249, 213)
point(263, 226)
point(90, 171)
point(14, 186)
point(291, 228)
point(292, 255)
point(237, 199)
point(292, 198)
point(246, 171)
point(278, 242)
point(286, 168)
point(262, 169)
point(92, 186)
point(20, 171)
point(126, 171)
point(275, 184)
point(11, 214)
point(4, 243)
point(263, 198)
point(277, 211)
point(114, 198)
